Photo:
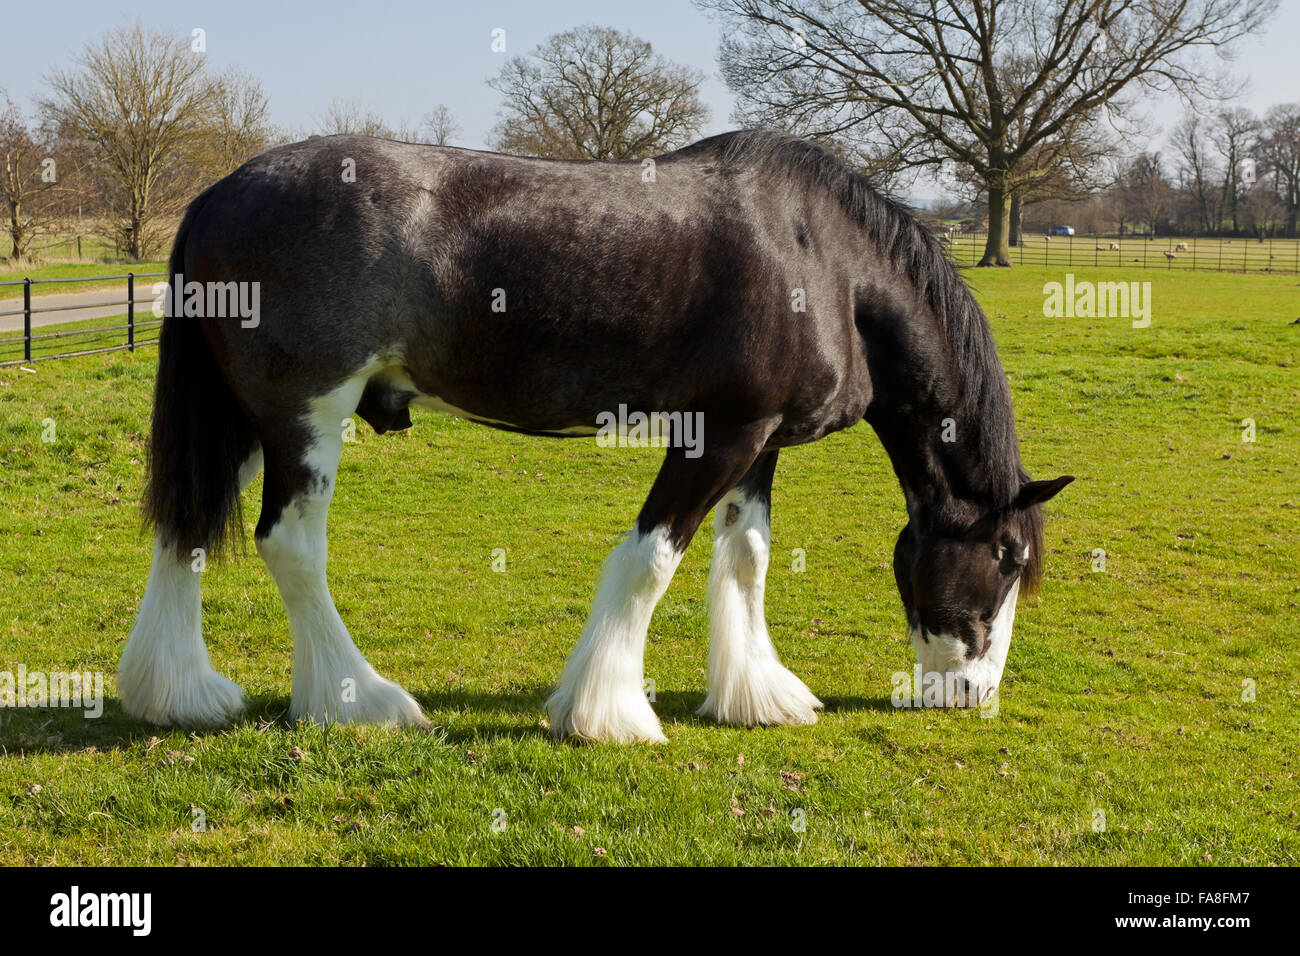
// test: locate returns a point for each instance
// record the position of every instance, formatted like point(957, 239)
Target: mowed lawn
point(1149, 714)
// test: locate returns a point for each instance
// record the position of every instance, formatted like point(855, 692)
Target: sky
point(400, 59)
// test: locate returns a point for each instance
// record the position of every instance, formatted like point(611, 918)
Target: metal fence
point(28, 310)
point(1277, 256)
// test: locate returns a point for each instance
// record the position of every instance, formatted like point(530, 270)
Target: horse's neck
point(946, 459)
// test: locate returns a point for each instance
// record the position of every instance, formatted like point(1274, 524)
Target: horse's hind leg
point(600, 695)
point(165, 676)
point(332, 682)
point(748, 685)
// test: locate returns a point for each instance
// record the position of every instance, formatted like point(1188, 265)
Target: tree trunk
point(133, 247)
point(996, 250)
point(1017, 215)
point(16, 230)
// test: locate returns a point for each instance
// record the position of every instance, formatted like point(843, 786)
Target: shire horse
point(752, 280)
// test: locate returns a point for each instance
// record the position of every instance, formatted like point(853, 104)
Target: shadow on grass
point(58, 730)
point(456, 713)
point(516, 713)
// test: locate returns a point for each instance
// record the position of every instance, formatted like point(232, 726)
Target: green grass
point(1123, 692)
point(82, 335)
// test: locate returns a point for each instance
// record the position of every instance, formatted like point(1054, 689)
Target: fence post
point(130, 311)
point(27, 319)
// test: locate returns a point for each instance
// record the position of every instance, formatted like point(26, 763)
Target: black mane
point(913, 251)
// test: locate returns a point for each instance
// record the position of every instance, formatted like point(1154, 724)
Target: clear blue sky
point(399, 59)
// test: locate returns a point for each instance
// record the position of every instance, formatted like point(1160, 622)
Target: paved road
point(92, 304)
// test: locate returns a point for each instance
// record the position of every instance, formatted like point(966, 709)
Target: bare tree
point(1147, 194)
point(28, 178)
point(354, 119)
point(1279, 146)
point(140, 98)
point(926, 80)
point(596, 93)
point(440, 126)
point(1233, 133)
point(240, 125)
point(1190, 141)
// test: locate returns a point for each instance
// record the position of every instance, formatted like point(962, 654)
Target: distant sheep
point(1114, 247)
point(1181, 247)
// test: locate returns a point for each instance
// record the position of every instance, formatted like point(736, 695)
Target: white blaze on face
point(946, 654)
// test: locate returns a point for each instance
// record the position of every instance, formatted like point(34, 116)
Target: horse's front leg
point(600, 695)
point(748, 685)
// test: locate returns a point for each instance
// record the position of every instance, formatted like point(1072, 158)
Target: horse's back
point(579, 286)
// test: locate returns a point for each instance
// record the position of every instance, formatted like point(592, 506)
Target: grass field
point(84, 335)
point(1127, 732)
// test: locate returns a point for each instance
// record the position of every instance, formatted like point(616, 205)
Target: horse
point(751, 282)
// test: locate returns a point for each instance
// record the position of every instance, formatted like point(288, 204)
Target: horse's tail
point(200, 435)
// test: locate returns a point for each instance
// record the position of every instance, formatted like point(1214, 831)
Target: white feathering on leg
point(601, 694)
point(165, 676)
point(748, 685)
point(332, 681)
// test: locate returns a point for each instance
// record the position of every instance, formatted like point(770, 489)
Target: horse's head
point(959, 586)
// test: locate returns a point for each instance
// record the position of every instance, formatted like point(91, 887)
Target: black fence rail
point(28, 310)
point(1172, 253)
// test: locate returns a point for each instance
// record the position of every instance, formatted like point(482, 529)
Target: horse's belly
point(558, 427)
point(393, 388)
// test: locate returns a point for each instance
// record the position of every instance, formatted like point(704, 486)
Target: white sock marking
point(601, 695)
point(165, 676)
point(332, 681)
point(748, 685)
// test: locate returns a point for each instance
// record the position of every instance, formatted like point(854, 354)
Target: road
point(91, 304)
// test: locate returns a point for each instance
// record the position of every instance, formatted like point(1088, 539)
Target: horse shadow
point(456, 714)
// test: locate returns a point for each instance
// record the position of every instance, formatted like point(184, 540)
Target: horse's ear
point(1036, 492)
